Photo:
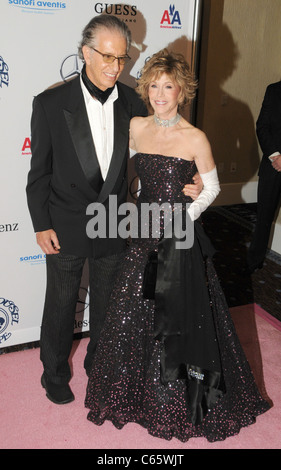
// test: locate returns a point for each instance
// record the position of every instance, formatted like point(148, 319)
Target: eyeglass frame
point(125, 58)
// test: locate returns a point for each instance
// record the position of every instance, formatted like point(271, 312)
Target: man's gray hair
point(100, 22)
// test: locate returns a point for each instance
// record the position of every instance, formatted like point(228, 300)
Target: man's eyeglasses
point(109, 59)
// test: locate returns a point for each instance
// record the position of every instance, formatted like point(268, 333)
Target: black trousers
point(64, 274)
point(269, 195)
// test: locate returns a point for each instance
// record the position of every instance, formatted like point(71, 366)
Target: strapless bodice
point(163, 178)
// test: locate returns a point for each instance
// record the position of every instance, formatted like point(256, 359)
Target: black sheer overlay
point(184, 322)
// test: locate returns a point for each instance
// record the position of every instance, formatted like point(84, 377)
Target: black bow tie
point(93, 89)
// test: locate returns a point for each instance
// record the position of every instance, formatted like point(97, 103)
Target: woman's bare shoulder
point(139, 124)
point(138, 121)
point(194, 134)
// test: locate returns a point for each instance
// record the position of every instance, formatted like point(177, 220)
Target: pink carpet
point(30, 421)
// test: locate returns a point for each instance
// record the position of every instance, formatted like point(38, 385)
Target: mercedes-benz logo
point(70, 67)
point(82, 301)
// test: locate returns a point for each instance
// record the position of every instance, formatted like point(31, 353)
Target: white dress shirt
point(101, 118)
point(271, 157)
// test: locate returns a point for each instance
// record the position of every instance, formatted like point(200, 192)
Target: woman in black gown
point(172, 363)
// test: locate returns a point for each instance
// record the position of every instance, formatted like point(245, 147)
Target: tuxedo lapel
point(277, 96)
point(81, 135)
point(120, 148)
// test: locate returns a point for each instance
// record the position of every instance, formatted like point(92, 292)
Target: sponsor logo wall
point(38, 49)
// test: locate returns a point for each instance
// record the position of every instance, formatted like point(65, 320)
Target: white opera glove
point(211, 188)
point(132, 153)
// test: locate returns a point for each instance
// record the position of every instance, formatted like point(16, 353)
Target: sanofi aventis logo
point(37, 6)
point(34, 259)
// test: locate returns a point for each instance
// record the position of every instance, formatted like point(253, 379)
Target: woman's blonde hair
point(175, 66)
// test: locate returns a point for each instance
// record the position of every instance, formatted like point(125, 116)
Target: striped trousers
point(64, 274)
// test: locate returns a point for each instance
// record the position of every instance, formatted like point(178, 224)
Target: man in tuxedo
point(79, 143)
point(79, 148)
point(269, 185)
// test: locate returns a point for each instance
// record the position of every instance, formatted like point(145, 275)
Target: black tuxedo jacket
point(269, 122)
point(65, 177)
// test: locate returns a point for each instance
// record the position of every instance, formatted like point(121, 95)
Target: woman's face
point(163, 95)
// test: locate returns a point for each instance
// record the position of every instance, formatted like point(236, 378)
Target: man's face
point(102, 74)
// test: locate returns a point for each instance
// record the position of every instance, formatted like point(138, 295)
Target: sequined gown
point(210, 390)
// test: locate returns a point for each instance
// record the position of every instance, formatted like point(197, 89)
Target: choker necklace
point(167, 122)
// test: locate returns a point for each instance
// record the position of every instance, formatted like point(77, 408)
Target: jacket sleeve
point(131, 101)
point(138, 108)
point(266, 126)
point(39, 176)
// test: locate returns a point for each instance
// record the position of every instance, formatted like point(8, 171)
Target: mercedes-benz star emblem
point(70, 67)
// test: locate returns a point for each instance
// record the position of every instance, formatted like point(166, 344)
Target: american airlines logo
point(171, 18)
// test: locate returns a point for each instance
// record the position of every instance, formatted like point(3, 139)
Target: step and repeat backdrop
point(38, 49)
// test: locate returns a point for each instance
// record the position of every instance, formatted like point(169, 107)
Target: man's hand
point(276, 162)
point(193, 190)
point(48, 242)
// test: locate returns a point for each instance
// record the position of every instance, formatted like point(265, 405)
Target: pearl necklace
point(167, 122)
